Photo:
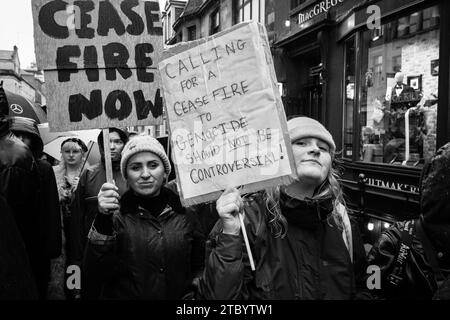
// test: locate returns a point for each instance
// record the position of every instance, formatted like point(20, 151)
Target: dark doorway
point(305, 86)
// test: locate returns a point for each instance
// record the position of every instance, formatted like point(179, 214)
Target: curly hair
point(329, 187)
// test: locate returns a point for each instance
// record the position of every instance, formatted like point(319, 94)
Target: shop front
point(384, 83)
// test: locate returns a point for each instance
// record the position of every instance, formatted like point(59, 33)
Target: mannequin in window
point(402, 98)
point(402, 95)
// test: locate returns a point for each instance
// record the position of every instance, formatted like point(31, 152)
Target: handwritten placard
point(100, 61)
point(226, 119)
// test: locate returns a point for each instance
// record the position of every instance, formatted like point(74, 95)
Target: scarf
point(154, 205)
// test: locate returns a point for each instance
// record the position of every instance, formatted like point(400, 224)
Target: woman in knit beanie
point(143, 245)
point(300, 234)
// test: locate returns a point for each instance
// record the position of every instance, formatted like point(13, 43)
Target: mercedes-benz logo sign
point(16, 108)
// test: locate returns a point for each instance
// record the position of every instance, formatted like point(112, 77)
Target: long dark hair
point(329, 187)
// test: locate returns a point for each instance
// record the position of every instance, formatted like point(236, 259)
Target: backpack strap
point(396, 276)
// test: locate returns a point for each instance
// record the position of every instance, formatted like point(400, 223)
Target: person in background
point(18, 219)
point(303, 243)
point(84, 204)
point(144, 245)
point(414, 255)
point(50, 224)
point(67, 174)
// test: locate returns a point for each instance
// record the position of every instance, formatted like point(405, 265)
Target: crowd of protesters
point(133, 239)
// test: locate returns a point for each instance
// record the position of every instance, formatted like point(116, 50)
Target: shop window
point(349, 96)
point(398, 91)
point(192, 33)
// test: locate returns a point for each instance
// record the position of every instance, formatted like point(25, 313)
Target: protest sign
point(100, 61)
point(226, 118)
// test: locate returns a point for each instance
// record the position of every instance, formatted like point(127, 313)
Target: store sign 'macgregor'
point(318, 8)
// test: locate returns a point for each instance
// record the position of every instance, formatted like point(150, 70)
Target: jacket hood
point(435, 188)
point(122, 134)
point(308, 213)
point(28, 127)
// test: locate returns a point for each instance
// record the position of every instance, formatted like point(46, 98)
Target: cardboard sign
point(226, 119)
point(100, 61)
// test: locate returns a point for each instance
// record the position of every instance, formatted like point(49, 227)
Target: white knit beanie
point(304, 127)
point(143, 143)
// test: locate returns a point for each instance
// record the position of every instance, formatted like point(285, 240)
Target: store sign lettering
point(321, 7)
point(392, 185)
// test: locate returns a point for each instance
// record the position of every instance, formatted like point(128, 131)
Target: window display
point(349, 95)
point(398, 90)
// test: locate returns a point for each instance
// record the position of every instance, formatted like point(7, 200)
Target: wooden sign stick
point(90, 145)
point(247, 245)
point(108, 164)
point(168, 155)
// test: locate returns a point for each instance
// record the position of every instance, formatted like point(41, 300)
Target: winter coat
point(205, 212)
point(16, 279)
point(431, 236)
point(19, 183)
point(50, 209)
point(84, 208)
point(145, 257)
point(312, 262)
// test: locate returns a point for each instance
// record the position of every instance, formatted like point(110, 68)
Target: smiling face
point(312, 159)
point(145, 174)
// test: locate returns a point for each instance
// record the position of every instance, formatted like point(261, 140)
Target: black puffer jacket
point(146, 257)
point(418, 278)
point(19, 184)
point(16, 279)
point(311, 262)
point(83, 208)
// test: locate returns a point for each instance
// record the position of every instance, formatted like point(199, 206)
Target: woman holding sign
point(144, 245)
point(301, 238)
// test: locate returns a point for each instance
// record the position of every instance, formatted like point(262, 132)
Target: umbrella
point(22, 107)
point(47, 136)
point(53, 147)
